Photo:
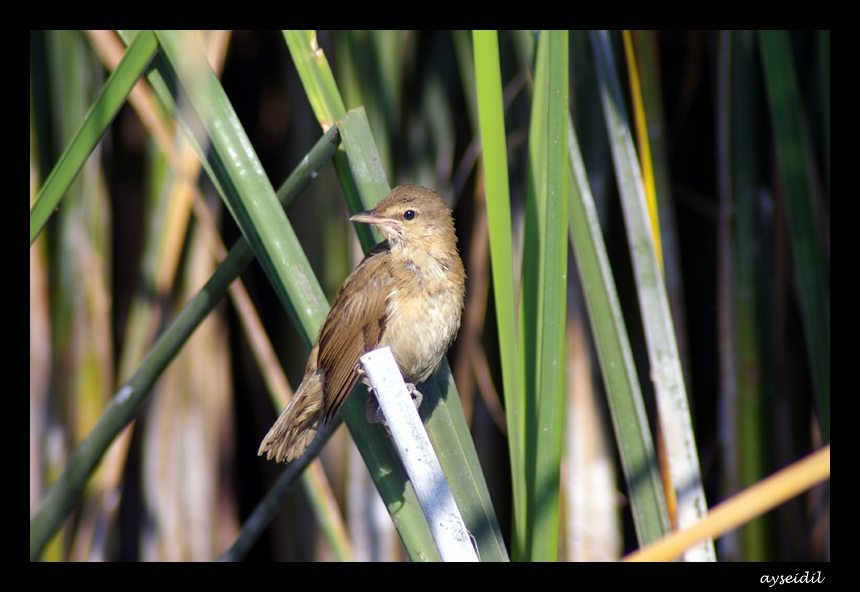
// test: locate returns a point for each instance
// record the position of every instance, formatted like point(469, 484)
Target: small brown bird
point(407, 294)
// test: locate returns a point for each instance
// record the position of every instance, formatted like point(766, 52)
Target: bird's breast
point(422, 318)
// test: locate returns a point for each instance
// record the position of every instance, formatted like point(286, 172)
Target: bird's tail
point(298, 423)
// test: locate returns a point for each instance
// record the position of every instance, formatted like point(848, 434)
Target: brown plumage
point(407, 294)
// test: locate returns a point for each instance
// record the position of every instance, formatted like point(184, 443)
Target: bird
point(408, 294)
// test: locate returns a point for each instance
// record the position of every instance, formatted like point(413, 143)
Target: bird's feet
point(373, 413)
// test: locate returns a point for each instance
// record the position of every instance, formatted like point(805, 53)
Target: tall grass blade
point(316, 76)
point(547, 390)
point(249, 195)
point(493, 148)
point(812, 267)
point(744, 252)
point(98, 119)
point(656, 135)
point(132, 394)
point(327, 104)
point(616, 358)
point(663, 354)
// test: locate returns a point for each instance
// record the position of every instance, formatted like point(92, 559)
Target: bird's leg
point(372, 411)
point(416, 395)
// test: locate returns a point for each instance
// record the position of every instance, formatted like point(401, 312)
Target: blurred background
point(133, 242)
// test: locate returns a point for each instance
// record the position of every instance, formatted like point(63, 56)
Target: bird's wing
point(353, 326)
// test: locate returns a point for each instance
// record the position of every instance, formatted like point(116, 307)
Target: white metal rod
point(419, 458)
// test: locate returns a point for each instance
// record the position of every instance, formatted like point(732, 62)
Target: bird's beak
point(368, 217)
point(372, 217)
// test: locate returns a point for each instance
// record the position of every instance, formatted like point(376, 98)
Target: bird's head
point(412, 215)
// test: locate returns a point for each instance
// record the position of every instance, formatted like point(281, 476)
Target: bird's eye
point(409, 214)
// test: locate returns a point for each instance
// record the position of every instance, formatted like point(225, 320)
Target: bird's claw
point(373, 412)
